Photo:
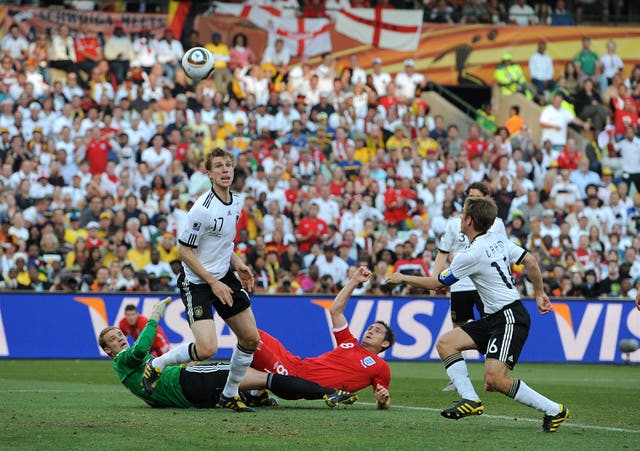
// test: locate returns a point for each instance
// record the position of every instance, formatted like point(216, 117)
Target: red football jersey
point(348, 366)
point(160, 343)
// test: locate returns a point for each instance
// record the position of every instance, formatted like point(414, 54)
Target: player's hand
point(223, 292)
point(382, 394)
point(159, 308)
point(394, 279)
point(362, 274)
point(246, 277)
point(544, 304)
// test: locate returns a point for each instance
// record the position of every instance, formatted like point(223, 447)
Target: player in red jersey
point(350, 366)
point(133, 323)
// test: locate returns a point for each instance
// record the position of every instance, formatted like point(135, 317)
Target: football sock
point(529, 397)
point(293, 387)
point(175, 356)
point(238, 366)
point(459, 375)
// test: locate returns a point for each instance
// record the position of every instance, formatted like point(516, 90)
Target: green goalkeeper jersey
point(129, 366)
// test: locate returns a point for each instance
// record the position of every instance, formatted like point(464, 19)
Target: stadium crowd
point(102, 146)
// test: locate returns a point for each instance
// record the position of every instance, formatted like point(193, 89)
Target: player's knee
point(444, 346)
point(250, 342)
point(494, 381)
point(206, 350)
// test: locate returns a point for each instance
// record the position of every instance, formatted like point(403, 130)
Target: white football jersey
point(487, 262)
point(453, 240)
point(210, 229)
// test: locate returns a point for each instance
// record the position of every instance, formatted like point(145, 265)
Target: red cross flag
point(262, 16)
point(396, 29)
point(308, 37)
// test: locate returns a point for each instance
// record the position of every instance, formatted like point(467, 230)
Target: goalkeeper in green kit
point(201, 385)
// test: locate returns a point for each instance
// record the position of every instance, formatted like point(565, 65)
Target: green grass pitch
point(54, 404)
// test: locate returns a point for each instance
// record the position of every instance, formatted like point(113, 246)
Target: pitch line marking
point(504, 417)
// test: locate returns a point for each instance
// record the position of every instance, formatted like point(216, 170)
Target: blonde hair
point(101, 340)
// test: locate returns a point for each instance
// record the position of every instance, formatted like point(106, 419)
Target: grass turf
point(53, 404)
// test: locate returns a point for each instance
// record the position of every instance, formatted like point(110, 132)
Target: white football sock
point(529, 397)
point(239, 364)
point(460, 377)
point(175, 356)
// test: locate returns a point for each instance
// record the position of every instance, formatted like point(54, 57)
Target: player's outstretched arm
point(338, 319)
point(428, 283)
point(145, 340)
point(383, 400)
point(534, 274)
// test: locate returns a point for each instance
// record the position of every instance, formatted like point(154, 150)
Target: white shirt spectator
point(541, 66)
point(277, 58)
point(337, 268)
point(283, 122)
point(522, 14)
point(559, 117)
point(629, 151)
point(406, 83)
point(329, 210)
point(14, 47)
point(158, 162)
point(168, 52)
point(380, 82)
point(611, 65)
point(144, 51)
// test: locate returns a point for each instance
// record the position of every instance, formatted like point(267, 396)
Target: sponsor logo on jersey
point(367, 361)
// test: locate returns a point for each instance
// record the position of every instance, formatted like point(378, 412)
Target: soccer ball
point(198, 63)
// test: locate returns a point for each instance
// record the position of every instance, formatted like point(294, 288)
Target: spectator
point(442, 13)
point(278, 55)
point(144, 51)
point(541, 70)
point(88, 49)
point(522, 14)
point(561, 16)
point(240, 55)
point(510, 77)
point(554, 121)
point(118, 51)
point(222, 75)
point(169, 52)
point(586, 61)
point(611, 64)
point(409, 80)
point(15, 45)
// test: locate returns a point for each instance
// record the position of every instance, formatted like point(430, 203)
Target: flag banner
point(387, 28)
point(48, 20)
point(262, 16)
point(307, 37)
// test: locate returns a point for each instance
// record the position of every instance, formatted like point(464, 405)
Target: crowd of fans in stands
point(101, 150)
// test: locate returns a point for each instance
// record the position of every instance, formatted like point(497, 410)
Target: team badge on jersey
point(197, 311)
point(367, 361)
point(196, 226)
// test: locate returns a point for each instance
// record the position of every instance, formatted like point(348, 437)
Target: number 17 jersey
point(487, 262)
point(211, 229)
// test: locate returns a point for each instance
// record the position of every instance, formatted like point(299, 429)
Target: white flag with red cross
point(396, 29)
point(262, 16)
point(307, 37)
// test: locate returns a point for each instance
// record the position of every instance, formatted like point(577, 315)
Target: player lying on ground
point(351, 365)
point(502, 333)
point(199, 386)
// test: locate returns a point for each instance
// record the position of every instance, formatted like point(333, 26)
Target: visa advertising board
point(67, 325)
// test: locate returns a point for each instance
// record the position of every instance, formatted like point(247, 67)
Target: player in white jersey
point(463, 294)
point(501, 334)
point(206, 249)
